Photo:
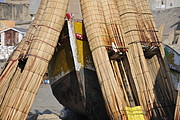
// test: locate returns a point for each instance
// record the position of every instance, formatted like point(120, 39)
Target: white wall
point(172, 3)
point(2, 38)
point(163, 4)
point(34, 5)
point(20, 37)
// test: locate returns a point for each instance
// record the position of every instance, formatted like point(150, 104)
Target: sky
point(1, 0)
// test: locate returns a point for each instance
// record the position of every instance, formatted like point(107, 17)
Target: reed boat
point(73, 77)
point(72, 74)
point(133, 77)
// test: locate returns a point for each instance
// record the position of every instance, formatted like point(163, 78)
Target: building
point(163, 4)
point(34, 5)
point(17, 1)
point(11, 36)
point(4, 24)
point(15, 12)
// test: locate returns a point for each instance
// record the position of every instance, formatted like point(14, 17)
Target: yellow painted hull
point(73, 78)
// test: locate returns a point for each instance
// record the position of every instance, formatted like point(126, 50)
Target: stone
point(48, 117)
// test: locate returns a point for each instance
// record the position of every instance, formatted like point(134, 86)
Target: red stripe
point(48, 27)
point(44, 42)
point(13, 61)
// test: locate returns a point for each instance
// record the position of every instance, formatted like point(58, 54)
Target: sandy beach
point(44, 103)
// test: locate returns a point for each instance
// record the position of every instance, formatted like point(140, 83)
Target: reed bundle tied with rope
point(10, 66)
point(140, 72)
point(126, 50)
point(135, 55)
point(100, 37)
point(24, 71)
point(142, 35)
point(104, 31)
point(163, 82)
point(148, 22)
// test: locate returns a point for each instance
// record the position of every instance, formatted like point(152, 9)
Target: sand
point(170, 18)
point(45, 103)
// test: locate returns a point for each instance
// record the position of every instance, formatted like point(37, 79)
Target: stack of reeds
point(114, 29)
point(129, 57)
point(19, 52)
point(163, 82)
point(148, 22)
point(12, 63)
point(23, 73)
point(100, 36)
point(136, 58)
point(127, 53)
point(153, 78)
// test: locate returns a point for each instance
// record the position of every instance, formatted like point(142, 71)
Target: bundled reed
point(19, 52)
point(141, 33)
point(127, 53)
point(135, 56)
point(126, 29)
point(26, 67)
point(114, 29)
point(101, 32)
point(163, 79)
point(147, 18)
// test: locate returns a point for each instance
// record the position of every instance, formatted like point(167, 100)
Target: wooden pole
point(177, 111)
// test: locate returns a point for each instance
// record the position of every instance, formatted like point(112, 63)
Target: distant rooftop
point(20, 29)
point(16, 1)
